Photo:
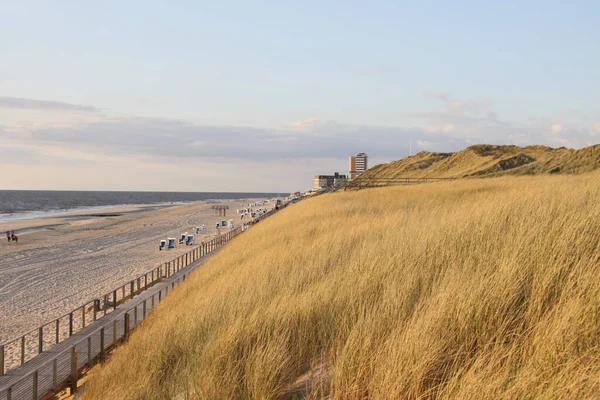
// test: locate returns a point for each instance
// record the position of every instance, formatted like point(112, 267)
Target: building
point(358, 164)
point(325, 181)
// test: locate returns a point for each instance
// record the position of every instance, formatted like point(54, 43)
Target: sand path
point(53, 270)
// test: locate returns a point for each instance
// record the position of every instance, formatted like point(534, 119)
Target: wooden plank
point(74, 371)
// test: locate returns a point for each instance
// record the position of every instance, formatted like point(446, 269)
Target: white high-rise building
point(358, 164)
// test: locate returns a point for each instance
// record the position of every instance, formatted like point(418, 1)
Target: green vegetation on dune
point(479, 288)
point(490, 160)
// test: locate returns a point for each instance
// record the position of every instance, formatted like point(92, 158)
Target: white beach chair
point(171, 244)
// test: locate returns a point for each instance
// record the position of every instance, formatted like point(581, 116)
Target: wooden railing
point(367, 182)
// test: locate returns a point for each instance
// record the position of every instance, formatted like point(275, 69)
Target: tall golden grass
point(467, 289)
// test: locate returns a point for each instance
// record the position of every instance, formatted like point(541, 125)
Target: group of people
point(11, 237)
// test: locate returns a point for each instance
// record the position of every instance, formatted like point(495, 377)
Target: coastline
point(63, 261)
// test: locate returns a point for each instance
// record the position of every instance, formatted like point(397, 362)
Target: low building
point(325, 181)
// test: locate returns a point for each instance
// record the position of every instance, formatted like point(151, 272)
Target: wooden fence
point(367, 182)
point(82, 337)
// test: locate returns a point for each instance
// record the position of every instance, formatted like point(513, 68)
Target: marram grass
point(466, 289)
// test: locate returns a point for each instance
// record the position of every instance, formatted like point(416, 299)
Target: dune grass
point(467, 289)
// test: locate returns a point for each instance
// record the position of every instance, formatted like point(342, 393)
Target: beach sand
point(62, 262)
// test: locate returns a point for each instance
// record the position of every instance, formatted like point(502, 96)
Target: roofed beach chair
point(189, 240)
point(171, 244)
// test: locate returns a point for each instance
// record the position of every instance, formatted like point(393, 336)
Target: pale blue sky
point(449, 74)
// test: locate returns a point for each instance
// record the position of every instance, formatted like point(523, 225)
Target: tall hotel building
point(358, 164)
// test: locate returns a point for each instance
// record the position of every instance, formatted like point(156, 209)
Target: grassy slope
point(491, 160)
point(470, 289)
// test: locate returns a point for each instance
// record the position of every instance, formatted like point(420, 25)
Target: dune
point(474, 288)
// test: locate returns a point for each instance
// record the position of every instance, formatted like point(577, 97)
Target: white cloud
point(255, 158)
point(447, 128)
point(29, 104)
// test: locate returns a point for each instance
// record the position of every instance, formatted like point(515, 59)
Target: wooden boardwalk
point(60, 366)
point(52, 370)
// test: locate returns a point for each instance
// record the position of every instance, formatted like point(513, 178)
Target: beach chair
point(182, 238)
point(163, 244)
point(189, 240)
point(171, 244)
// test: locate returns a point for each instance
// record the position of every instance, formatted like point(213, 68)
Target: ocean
point(27, 204)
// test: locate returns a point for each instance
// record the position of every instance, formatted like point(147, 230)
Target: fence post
point(96, 307)
point(22, 350)
point(159, 296)
point(74, 371)
point(34, 393)
point(54, 373)
point(139, 288)
point(40, 339)
point(83, 316)
point(126, 326)
point(152, 302)
point(89, 350)
point(1, 360)
point(115, 300)
point(144, 310)
point(135, 316)
point(57, 329)
point(131, 284)
point(102, 344)
point(70, 324)
point(9, 393)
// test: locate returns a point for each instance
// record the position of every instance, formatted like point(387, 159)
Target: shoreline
point(57, 218)
point(66, 260)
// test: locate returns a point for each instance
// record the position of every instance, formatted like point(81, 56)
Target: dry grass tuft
point(465, 289)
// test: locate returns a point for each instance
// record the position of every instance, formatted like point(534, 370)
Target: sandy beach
point(63, 261)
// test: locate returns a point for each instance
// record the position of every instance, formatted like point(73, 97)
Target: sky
point(262, 96)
